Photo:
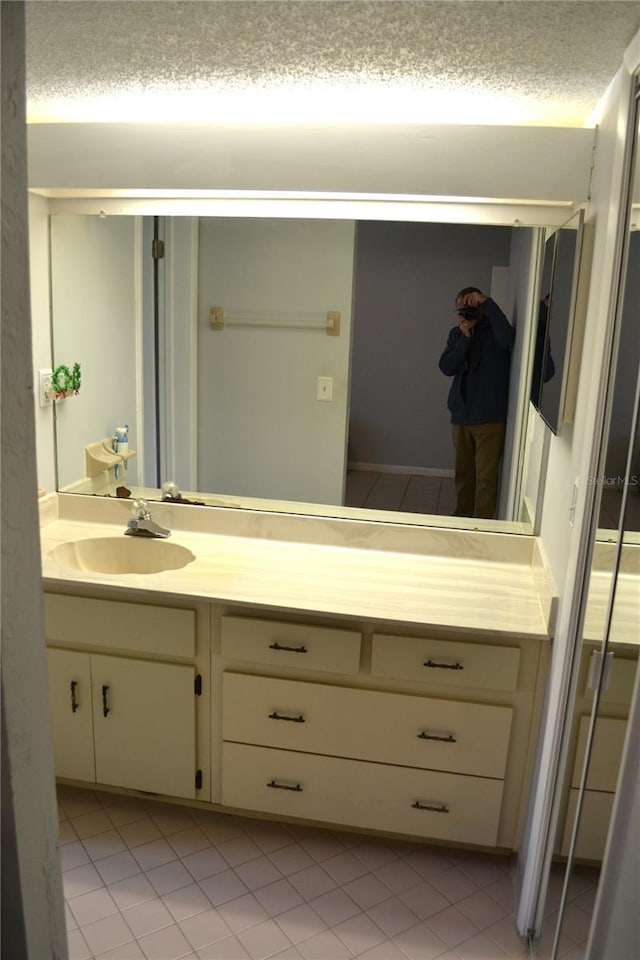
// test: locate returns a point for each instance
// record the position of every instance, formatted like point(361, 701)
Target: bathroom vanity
point(340, 673)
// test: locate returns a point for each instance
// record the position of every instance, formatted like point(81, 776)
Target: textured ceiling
point(539, 62)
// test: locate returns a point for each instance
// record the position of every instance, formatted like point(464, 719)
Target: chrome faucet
point(141, 524)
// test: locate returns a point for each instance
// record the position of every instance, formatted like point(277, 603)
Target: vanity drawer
point(127, 627)
point(622, 674)
point(606, 753)
point(448, 662)
point(421, 803)
point(290, 645)
point(595, 818)
point(403, 729)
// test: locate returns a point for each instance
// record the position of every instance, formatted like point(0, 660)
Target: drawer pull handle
point(449, 738)
point(435, 807)
point(282, 646)
point(280, 716)
point(105, 708)
point(443, 666)
point(74, 702)
point(285, 786)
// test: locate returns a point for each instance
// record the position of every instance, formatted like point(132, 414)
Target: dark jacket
point(479, 365)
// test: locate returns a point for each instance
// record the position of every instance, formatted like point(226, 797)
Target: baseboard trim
point(395, 468)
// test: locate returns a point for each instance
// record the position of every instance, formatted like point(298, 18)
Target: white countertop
point(470, 589)
point(625, 611)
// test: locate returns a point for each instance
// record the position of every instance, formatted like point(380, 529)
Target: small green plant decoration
point(66, 382)
point(76, 378)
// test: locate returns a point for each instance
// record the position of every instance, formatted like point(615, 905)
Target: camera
point(469, 313)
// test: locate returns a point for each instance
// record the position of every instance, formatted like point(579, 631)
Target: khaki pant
point(478, 451)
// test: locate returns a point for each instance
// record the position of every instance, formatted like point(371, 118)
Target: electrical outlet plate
point(45, 389)
point(573, 501)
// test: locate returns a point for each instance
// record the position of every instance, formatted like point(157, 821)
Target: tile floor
point(411, 493)
point(150, 880)
point(407, 493)
point(574, 930)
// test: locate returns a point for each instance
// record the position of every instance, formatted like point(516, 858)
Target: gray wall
point(407, 276)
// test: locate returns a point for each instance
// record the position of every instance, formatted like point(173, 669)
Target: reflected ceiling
point(518, 62)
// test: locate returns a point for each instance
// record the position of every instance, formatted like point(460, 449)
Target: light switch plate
point(325, 388)
point(44, 385)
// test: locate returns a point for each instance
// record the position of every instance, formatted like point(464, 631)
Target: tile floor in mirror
point(151, 881)
point(404, 492)
point(411, 493)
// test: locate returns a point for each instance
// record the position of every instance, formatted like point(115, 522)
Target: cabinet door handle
point(74, 702)
point(442, 738)
point(284, 786)
point(105, 708)
point(280, 716)
point(282, 646)
point(432, 665)
point(435, 807)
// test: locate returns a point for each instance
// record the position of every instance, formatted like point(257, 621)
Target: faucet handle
point(140, 509)
point(170, 491)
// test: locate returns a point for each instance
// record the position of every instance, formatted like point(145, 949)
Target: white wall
point(96, 308)
point(41, 336)
point(537, 437)
point(446, 160)
point(262, 432)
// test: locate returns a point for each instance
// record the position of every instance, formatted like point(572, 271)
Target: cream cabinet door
point(71, 714)
point(144, 725)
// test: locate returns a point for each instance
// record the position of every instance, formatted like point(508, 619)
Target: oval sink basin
point(125, 555)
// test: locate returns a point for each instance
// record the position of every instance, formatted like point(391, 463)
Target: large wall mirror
point(285, 364)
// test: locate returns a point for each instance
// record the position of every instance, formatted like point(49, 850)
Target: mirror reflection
point(287, 364)
point(544, 368)
point(557, 339)
point(605, 682)
point(556, 313)
point(622, 466)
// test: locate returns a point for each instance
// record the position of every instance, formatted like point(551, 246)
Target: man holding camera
point(478, 357)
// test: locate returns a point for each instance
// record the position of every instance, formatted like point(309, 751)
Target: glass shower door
point(611, 634)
